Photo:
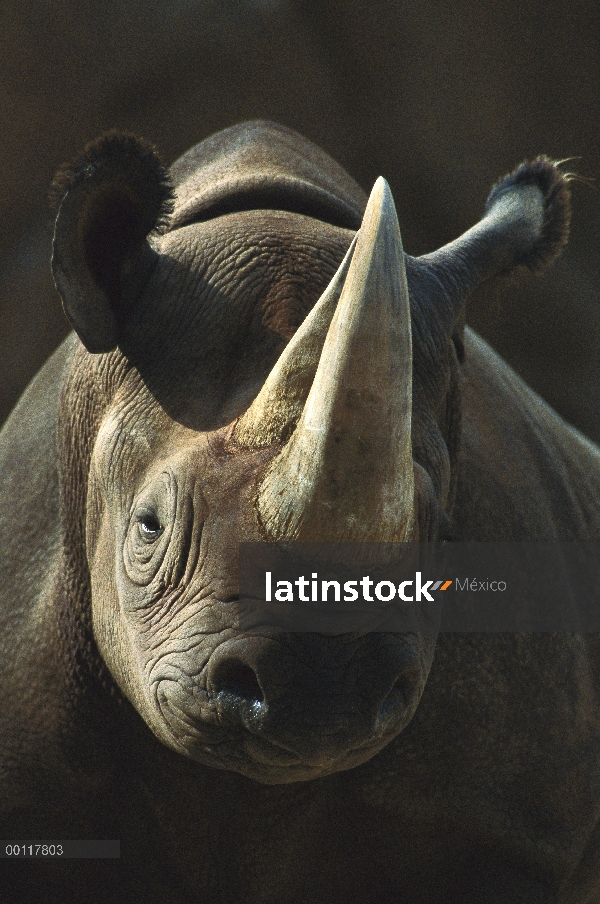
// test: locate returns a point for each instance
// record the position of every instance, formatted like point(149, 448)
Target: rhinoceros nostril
point(237, 679)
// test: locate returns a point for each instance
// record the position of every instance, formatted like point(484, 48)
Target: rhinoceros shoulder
point(29, 515)
point(525, 473)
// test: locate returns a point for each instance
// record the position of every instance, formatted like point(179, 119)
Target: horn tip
point(381, 202)
point(381, 189)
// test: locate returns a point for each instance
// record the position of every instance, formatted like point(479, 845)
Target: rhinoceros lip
point(265, 753)
point(268, 754)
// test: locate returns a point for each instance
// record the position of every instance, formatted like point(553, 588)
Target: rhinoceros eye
point(150, 527)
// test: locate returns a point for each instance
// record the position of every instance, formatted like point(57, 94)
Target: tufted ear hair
point(108, 200)
point(525, 223)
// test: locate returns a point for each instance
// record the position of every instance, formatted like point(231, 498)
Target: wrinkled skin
point(369, 771)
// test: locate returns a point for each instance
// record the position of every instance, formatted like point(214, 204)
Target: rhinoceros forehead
point(261, 165)
point(222, 301)
point(137, 439)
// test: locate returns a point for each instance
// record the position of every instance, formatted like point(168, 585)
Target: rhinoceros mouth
point(268, 753)
point(264, 761)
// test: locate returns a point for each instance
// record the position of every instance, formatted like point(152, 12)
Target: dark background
point(441, 98)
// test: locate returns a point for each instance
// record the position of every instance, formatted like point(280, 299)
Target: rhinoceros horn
point(346, 473)
point(277, 408)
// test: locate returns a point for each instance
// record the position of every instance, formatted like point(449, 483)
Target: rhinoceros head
point(269, 366)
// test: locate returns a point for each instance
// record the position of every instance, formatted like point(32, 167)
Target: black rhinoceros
point(242, 369)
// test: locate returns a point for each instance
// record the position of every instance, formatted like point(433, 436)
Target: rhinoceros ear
point(525, 223)
point(108, 199)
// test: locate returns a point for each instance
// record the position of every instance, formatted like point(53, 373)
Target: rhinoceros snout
point(317, 698)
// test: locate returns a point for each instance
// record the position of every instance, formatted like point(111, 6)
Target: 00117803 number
point(34, 850)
